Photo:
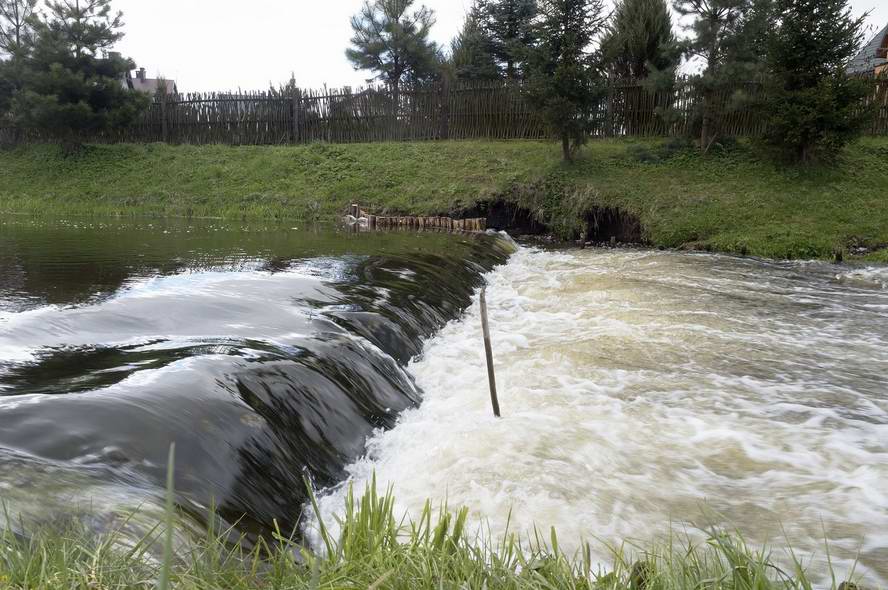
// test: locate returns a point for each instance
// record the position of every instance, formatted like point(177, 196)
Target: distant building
point(873, 58)
point(147, 85)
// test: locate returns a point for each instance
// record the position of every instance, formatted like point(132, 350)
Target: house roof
point(143, 83)
point(152, 85)
point(872, 55)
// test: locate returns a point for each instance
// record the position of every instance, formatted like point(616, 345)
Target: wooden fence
point(490, 110)
point(373, 114)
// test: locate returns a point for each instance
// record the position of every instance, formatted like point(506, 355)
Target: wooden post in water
point(488, 350)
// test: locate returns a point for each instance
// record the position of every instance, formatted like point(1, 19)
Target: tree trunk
point(565, 148)
point(706, 126)
point(396, 109)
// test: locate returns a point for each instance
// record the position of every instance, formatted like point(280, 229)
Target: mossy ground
point(733, 199)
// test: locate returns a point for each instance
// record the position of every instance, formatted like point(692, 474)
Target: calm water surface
point(639, 388)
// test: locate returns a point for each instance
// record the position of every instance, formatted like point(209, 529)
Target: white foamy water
point(643, 390)
point(872, 277)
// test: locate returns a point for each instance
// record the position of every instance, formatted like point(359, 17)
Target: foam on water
point(643, 390)
point(872, 276)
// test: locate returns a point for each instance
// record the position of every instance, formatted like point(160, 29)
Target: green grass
point(734, 200)
point(260, 182)
point(731, 200)
point(376, 550)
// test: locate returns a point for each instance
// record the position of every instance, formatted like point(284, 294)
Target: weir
point(359, 218)
point(266, 357)
point(641, 389)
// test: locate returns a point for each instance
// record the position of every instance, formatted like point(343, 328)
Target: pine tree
point(813, 106)
point(509, 25)
point(639, 40)
point(16, 30)
point(16, 36)
point(7, 92)
point(470, 52)
point(72, 82)
point(745, 49)
point(715, 27)
point(565, 79)
point(393, 42)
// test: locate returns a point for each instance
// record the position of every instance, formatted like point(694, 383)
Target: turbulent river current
point(642, 391)
point(641, 388)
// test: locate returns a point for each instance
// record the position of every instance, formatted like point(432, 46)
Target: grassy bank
point(376, 550)
point(730, 200)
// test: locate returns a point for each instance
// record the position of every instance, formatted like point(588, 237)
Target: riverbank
point(378, 550)
point(731, 200)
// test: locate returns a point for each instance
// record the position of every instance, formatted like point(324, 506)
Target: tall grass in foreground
point(376, 550)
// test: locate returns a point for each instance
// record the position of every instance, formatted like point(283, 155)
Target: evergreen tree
point(565, 79)
point(509, 25)
point(72, 83)
point(470, 52)
point(16, 30)
point(639, 41)
point(393, 42)
point(715, 28)
point(745, 50)
point(7, 92)
point(16, 36)
point(813, 106)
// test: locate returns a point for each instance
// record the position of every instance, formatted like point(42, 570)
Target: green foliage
point(639, 41)
point(639, 44)
point(731, 200)
point(392, 41)
point(745, 50)
point(16, 37)
point(565, 81)
point(713, 26)
point(16, 30)
point(7, 89)
point(71, 83)
point(814, 124)
point(377, 549)
point(813, 107)
point(722, 35)
point(509, 26)
point(470, 52)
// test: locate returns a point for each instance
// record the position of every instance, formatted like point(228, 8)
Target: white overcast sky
point(226, 44)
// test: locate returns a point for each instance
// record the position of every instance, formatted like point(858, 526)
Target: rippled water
point(266, 353)
point(641, 389)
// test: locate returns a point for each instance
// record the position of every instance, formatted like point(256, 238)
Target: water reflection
point(266, 354)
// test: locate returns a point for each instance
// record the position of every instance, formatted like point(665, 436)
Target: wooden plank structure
point(477, 110)
point(473, 225)
point(421, 223)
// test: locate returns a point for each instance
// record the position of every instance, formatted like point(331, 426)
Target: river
point(641, 390)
